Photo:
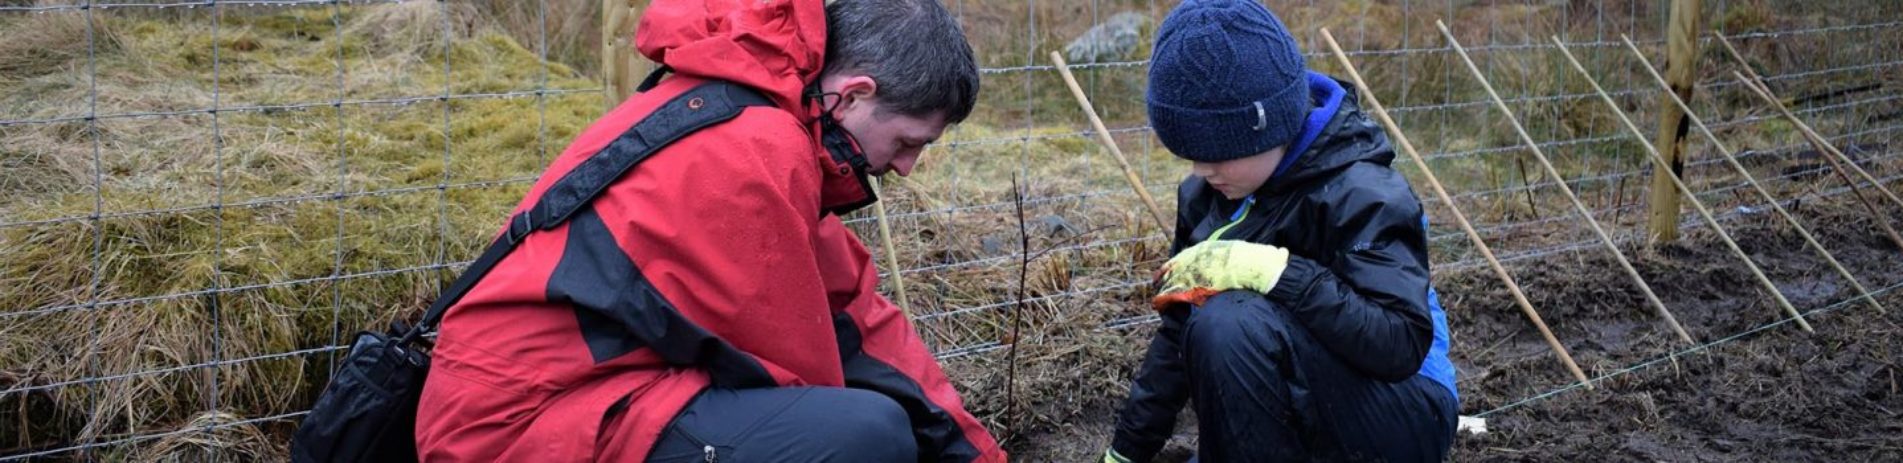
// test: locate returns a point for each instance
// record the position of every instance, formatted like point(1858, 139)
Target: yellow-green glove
point(1111, 456)
point(1214, 266)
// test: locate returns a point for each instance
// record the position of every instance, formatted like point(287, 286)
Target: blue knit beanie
point(1226, 81)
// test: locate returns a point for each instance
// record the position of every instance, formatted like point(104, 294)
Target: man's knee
point(872, 425)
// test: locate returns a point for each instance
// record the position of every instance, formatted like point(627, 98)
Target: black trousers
point(789, 424)
point(1265, 390)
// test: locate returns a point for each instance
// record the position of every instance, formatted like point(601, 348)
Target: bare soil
point(1752, 393)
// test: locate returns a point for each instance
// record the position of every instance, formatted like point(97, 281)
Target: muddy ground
point(1774, 394)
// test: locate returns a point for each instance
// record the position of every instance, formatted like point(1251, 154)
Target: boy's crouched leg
point(1240, 360)
point(789, 424)
point(1265, 390)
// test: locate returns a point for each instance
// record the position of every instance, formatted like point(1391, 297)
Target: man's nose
point(902, 164)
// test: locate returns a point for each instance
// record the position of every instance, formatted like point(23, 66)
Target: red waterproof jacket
point(716, 249)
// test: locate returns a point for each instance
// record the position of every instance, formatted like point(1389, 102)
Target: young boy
point(1296, 310)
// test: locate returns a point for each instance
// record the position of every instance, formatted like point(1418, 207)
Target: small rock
point(991, 245)
point(1112, 39)
point(1056, 225)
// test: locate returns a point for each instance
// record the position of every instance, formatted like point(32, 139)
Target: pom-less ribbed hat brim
point(1215, 135)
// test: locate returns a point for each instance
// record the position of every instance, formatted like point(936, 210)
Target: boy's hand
point(1211, 267)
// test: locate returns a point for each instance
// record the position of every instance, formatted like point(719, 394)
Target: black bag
point(368, 411)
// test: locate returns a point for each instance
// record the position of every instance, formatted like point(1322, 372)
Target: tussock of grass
point(226, 443)
point(41, 44)
point(277, 172)
point(415, 28)
point(570, 30)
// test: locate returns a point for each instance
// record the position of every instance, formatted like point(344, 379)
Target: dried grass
point(41, 44)
point(274, 172)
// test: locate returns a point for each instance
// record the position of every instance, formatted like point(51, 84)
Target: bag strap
point(703, 106)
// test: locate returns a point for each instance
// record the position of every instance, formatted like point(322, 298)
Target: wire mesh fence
point(205, 199)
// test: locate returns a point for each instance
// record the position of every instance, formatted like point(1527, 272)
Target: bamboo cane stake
point(1756, 84)
point(1526, 307)
point(1726, 152)
point(1836, 158)
point(1103, 135)
point(1837, 166)
point(1690, 195)
point(891, 251)
point(1559, 181)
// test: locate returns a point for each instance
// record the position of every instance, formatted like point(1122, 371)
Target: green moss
point(310, 24)
point(1777, 129)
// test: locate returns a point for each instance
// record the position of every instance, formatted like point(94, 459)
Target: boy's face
point(1237, 178)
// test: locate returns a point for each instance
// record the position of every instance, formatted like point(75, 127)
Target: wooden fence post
point(618, 76)
point(1681, 70)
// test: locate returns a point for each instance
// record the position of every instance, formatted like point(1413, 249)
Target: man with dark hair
point(708, 304)
point(904, 46)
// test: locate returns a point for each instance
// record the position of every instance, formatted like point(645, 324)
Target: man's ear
point(855, 90)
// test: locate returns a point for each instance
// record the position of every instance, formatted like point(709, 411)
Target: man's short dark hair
point(914, 49)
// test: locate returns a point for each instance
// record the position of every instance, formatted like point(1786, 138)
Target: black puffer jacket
point(1357, 277)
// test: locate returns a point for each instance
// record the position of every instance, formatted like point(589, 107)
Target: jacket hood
point(777, 47)
point(1349, 137)
point(774, 46)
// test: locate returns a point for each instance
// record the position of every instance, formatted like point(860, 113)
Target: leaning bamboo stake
point(891, 251)
point(1690, 195)
point(1381, 114)
point(1757, 85)
point(1748, 178)
point(1837, 162)
point(1103, 135)
point(1836, 158)
point(1578, 206)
